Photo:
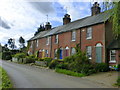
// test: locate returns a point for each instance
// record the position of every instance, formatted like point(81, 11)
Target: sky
point(23, 17)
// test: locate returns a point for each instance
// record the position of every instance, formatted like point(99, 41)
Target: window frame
point(55, 53)
point(48, 40)
point(72, 51)
point(114, 61)
point(37, 43)
point(31, 44)
point(56, 39)
point(73, 35)
point(89, 33)
point(89, 52)
point(46, 53)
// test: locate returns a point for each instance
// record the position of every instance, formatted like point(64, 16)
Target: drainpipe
point(51, 47)
point(80, 38)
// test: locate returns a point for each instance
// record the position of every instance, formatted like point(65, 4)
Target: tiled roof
point(84, 22)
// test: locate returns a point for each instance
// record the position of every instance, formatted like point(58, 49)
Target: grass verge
point(5, 81)
point(68, 72)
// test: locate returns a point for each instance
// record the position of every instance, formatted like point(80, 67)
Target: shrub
point(69, 59)
point(6, 55)
point(102, 67)
point(62, 66)
point(20, 55)
point(118, 67)
point(48, 60)
point(53, 64)
point(31, 59)
point(39, 59)
point(87, 69)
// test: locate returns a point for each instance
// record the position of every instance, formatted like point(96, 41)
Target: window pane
point(73, 51)
point(73, 35)
point(89, 51)
point(89, 33)
point(112, 55)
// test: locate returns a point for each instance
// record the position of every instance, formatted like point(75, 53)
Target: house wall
point(117, 56)
point(98, 36)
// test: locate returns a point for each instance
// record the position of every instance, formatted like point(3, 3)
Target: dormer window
point(73, 35)
point(89, 33)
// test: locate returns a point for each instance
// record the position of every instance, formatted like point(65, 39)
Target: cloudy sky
point(22, 18)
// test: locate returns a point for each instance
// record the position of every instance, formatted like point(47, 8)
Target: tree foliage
point(40, 29)
point(22, 42)
point(11, 43)
point(115, 8)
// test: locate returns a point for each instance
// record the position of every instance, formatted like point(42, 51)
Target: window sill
point(89, 38)
point(73, 40)
point(112, 61)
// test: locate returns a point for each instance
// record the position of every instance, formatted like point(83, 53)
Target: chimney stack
point(95, 9)
point(48, 26)
point(66, 19)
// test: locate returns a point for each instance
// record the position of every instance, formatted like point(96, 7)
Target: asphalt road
point(26, 76)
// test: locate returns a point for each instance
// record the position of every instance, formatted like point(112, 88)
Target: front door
point(98, 54)
point(61, 54)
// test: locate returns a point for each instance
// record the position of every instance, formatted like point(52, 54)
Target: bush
point(53, 64)
point(6, 55)
point(69, 59)
point(31, 59)
point(20, 55)
point(118, 67)
point(102, 67)
point(87, 69)
point(39, 59)
point(48, 60)
point(62, 66)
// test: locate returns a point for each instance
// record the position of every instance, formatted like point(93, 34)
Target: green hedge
point(102, 67)
point(53, 64)
point(7, 55)
point(20, 55)
point(48, 60)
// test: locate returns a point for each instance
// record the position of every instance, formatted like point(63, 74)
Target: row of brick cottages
point(93, 33)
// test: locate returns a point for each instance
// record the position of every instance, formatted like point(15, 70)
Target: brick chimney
point(95, 9)
point(66, 19)
point(48, 26)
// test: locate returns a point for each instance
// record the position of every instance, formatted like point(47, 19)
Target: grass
point(118, 82)
point(5, 81)
point(68, 72)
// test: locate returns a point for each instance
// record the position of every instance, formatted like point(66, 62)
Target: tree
point(22, 42)
point(115, 9)
point(11, 43)
point(40, 29)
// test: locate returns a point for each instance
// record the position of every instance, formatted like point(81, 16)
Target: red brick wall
point(98, 36)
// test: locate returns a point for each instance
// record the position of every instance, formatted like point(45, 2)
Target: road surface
point(26, 76)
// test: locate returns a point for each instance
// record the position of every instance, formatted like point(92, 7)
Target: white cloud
point(25, 17)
